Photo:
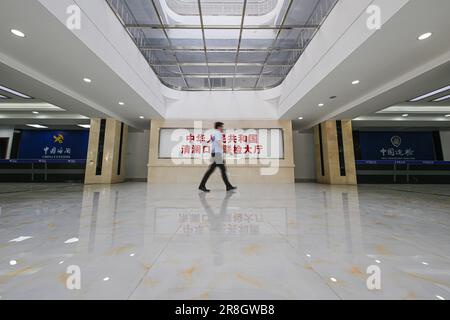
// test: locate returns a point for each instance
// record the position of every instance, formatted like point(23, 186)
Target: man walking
point(218, 159)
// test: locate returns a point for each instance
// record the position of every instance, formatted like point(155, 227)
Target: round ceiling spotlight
point(320, 104)
point(121, 103)
point(300, 118)
point(425, 36)
point(87, 80)
point(35, 112)
point(18, 33)
point(405, 115)
point(355, 82)
point(141, 117)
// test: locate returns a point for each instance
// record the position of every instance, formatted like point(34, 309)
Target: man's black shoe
point(231, 188)
point(203, 189)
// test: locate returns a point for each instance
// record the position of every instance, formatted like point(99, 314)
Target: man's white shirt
point(217, 137)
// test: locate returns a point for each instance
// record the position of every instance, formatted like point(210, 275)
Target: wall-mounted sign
point(238, 143)
point(53, 144)
point(397, 145)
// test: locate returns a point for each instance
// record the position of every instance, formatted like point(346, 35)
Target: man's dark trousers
point(218, 161)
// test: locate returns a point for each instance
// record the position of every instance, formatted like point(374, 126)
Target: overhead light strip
point(37, 126)
point(442, 98)
point(414, 109)
point(14, 92)
point(433, 93)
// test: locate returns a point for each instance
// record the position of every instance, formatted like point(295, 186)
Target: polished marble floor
point(303, 241)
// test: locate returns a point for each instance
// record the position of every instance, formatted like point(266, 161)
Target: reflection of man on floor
point(216, 225)
point(218, 159)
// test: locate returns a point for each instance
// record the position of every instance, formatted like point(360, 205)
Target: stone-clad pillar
point(334, 152)
point(106, 152)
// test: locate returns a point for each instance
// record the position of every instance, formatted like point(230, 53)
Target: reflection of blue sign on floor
point(53, 144)
point(397, 145)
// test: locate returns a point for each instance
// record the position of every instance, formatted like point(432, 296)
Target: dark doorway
point(3, 147)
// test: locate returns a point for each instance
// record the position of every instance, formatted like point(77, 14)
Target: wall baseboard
point(301, 180)
point(136, 180)
point(297, 180)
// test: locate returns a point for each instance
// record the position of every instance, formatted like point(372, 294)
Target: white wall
point(304, 156)
point(222, 105)
point(7, 132)
point(445, 141)
point(137, 155)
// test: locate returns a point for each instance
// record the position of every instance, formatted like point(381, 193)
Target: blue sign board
point(397, 145)
point(53, 144)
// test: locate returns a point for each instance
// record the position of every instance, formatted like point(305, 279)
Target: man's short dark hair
point(218, 125)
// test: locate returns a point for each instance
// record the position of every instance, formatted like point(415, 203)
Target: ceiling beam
point(220, 27)
point(232, 50)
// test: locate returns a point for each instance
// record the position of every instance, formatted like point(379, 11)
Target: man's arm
point(219, 138)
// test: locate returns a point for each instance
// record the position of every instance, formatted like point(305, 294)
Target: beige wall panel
point(110, 153)
point(237, 175)
point(330, 154)
point(165, 171)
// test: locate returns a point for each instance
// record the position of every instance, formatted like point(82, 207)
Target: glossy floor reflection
point(303, 241)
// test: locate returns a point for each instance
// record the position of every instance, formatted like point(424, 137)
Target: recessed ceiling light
point(333, 279)
point(121, 103)
point(37, 126)
point(425, 36)
point(355, 82)
point(141, 117)
point(86, 126)
point(13, 262)
point(71, 240)
point(35, 112)
point(320, 104)
point(442, 98)
point(405, 115)
point(300, 118)
point(87, 80)
point(14, 92)
point(447, 116)
point(18, 33)
point(20, 239)
point(431, 94)
point(106, 279)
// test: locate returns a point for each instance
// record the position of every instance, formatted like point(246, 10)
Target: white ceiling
point(392, 65)
point(50, 63)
